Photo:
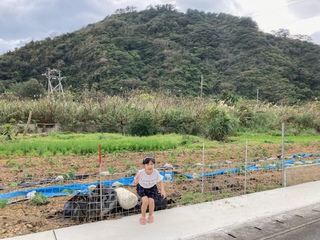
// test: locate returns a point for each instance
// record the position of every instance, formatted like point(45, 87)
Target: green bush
point(178, 121)
point(142, 124)
point(31, 89)
point(228, 97)
point(245, 115)
point(115, 118)
point(221, 126)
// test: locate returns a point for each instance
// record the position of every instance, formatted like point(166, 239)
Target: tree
point(282, 33)
point(161, 49)
point(30, 89)
point(302, 37)
point(2, 88)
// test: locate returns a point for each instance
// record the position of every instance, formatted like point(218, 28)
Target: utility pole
point(257, 96)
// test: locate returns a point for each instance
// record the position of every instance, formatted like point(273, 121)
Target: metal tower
point(54, 81)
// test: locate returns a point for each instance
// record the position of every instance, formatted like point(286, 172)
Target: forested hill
point(163, 49)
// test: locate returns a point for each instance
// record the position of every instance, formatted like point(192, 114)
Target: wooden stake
point(28, 123)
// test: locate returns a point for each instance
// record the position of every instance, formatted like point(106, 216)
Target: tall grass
point(95, 112)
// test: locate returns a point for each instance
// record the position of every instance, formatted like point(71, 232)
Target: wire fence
point(41, 200)
point(302, 173)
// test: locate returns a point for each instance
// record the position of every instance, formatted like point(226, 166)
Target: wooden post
point(28, 123)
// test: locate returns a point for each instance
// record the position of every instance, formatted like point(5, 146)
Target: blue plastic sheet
point(53, 191)
point(63, 190)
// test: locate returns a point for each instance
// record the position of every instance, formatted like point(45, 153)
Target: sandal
point(150, 219)
point(142, 221)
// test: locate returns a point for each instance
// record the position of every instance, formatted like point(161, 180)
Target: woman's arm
point(136, 178)
point(162, 191)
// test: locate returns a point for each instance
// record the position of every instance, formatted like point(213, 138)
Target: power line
point(297, 20)
point(259, 11)
point(287, 4)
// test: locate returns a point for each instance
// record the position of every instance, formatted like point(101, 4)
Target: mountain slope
point(162, 49)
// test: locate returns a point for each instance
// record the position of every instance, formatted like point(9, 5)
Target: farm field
point(22, 218)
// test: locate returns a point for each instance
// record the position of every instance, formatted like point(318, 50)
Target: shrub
point(245, 115)
point(221, 126)
point(228, 97)
point(31, 89)
point(142, 123)
point(178, 121)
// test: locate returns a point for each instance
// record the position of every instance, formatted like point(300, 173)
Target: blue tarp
point(279, 164)
point(303, 155)
point(222, 171)
point(219, 172)
point(55, 191)
point(52, 191)
point(249, 168)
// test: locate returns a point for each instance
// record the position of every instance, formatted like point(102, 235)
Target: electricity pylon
point(54, 81)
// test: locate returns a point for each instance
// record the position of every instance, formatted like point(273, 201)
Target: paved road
point(300, 224)
point(309, 231)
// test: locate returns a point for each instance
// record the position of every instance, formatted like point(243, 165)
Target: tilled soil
point(22, 218)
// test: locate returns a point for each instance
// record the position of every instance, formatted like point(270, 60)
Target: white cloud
point(207, 6)
point(299, 16)
point(24, 20)
point(302, 9)
point(8, 45)
point(316, 37)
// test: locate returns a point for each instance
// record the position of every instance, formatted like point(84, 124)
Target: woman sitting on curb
point(146, 180)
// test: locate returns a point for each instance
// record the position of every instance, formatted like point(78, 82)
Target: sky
point(22, 21)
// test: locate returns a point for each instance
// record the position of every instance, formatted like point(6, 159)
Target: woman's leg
point(151, 210)
point(144, 206)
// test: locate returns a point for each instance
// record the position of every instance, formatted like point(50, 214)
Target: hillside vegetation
point(164, 50)
point(141, 114)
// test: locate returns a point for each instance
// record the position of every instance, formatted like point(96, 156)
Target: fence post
point(284, 182)
point(245, 168)
point(100, 182)
point(202, 190)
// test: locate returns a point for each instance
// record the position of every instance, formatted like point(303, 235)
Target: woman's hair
point(146, 160)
